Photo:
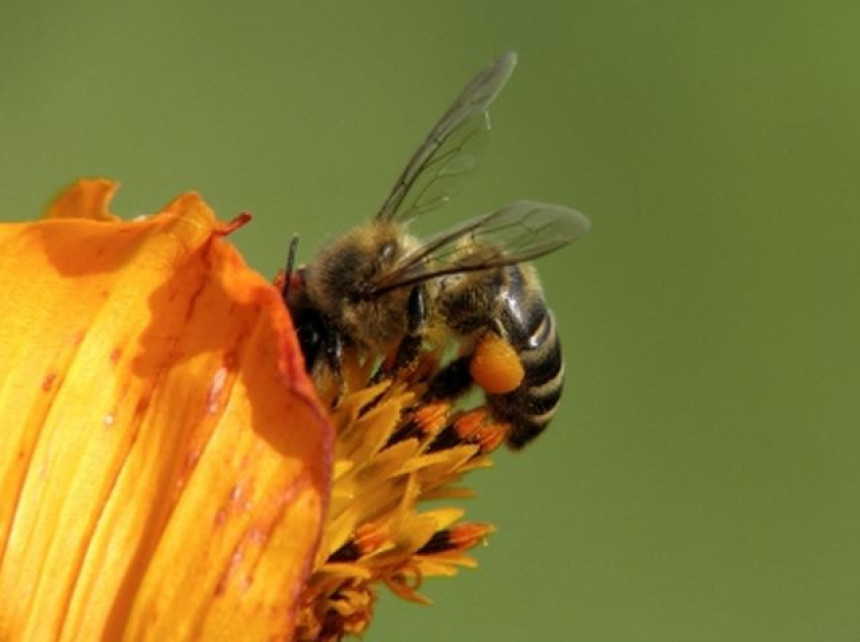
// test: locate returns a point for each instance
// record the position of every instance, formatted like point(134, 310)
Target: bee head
point(340, 282)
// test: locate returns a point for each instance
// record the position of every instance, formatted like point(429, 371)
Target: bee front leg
point(410, 345)
point(333, 354)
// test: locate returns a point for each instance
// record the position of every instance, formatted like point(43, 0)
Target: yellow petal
point(86, 198)
point(165, 464)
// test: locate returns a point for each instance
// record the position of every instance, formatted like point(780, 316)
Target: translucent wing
point(451, 150)
point(521, 231)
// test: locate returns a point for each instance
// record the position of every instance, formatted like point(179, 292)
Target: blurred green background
point(701, 480)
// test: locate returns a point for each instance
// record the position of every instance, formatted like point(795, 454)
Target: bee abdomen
point(530, 407)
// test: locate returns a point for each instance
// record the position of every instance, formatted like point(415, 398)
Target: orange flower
point(165, 463)
point(168, 471)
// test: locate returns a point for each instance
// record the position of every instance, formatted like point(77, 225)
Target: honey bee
point(380, 290)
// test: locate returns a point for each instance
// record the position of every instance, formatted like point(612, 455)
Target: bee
point(378, 289)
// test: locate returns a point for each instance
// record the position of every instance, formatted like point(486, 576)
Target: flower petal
point(165, 464)
point(86, 198)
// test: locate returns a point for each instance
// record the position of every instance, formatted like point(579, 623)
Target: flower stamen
point(402, 440)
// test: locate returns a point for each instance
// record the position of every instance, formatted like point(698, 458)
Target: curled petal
point(165, 464)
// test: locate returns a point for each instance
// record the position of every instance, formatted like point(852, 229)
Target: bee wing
point(521, 231)
point(451, 150)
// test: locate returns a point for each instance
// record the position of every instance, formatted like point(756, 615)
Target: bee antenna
point(291, 264)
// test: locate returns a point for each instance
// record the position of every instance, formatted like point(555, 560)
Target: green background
point(701, 480)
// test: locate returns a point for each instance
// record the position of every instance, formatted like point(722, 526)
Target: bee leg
point(333, 353)
point(451, 381)
point(410, 345)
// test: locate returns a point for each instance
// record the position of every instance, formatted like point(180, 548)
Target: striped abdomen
point(529, 326)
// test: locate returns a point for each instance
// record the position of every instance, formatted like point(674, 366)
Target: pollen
point(495, 365)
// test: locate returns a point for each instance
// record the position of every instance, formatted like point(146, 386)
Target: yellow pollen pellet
point(495, 365)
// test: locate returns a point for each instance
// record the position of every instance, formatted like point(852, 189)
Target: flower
point(169, 471)
point(393, 451)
